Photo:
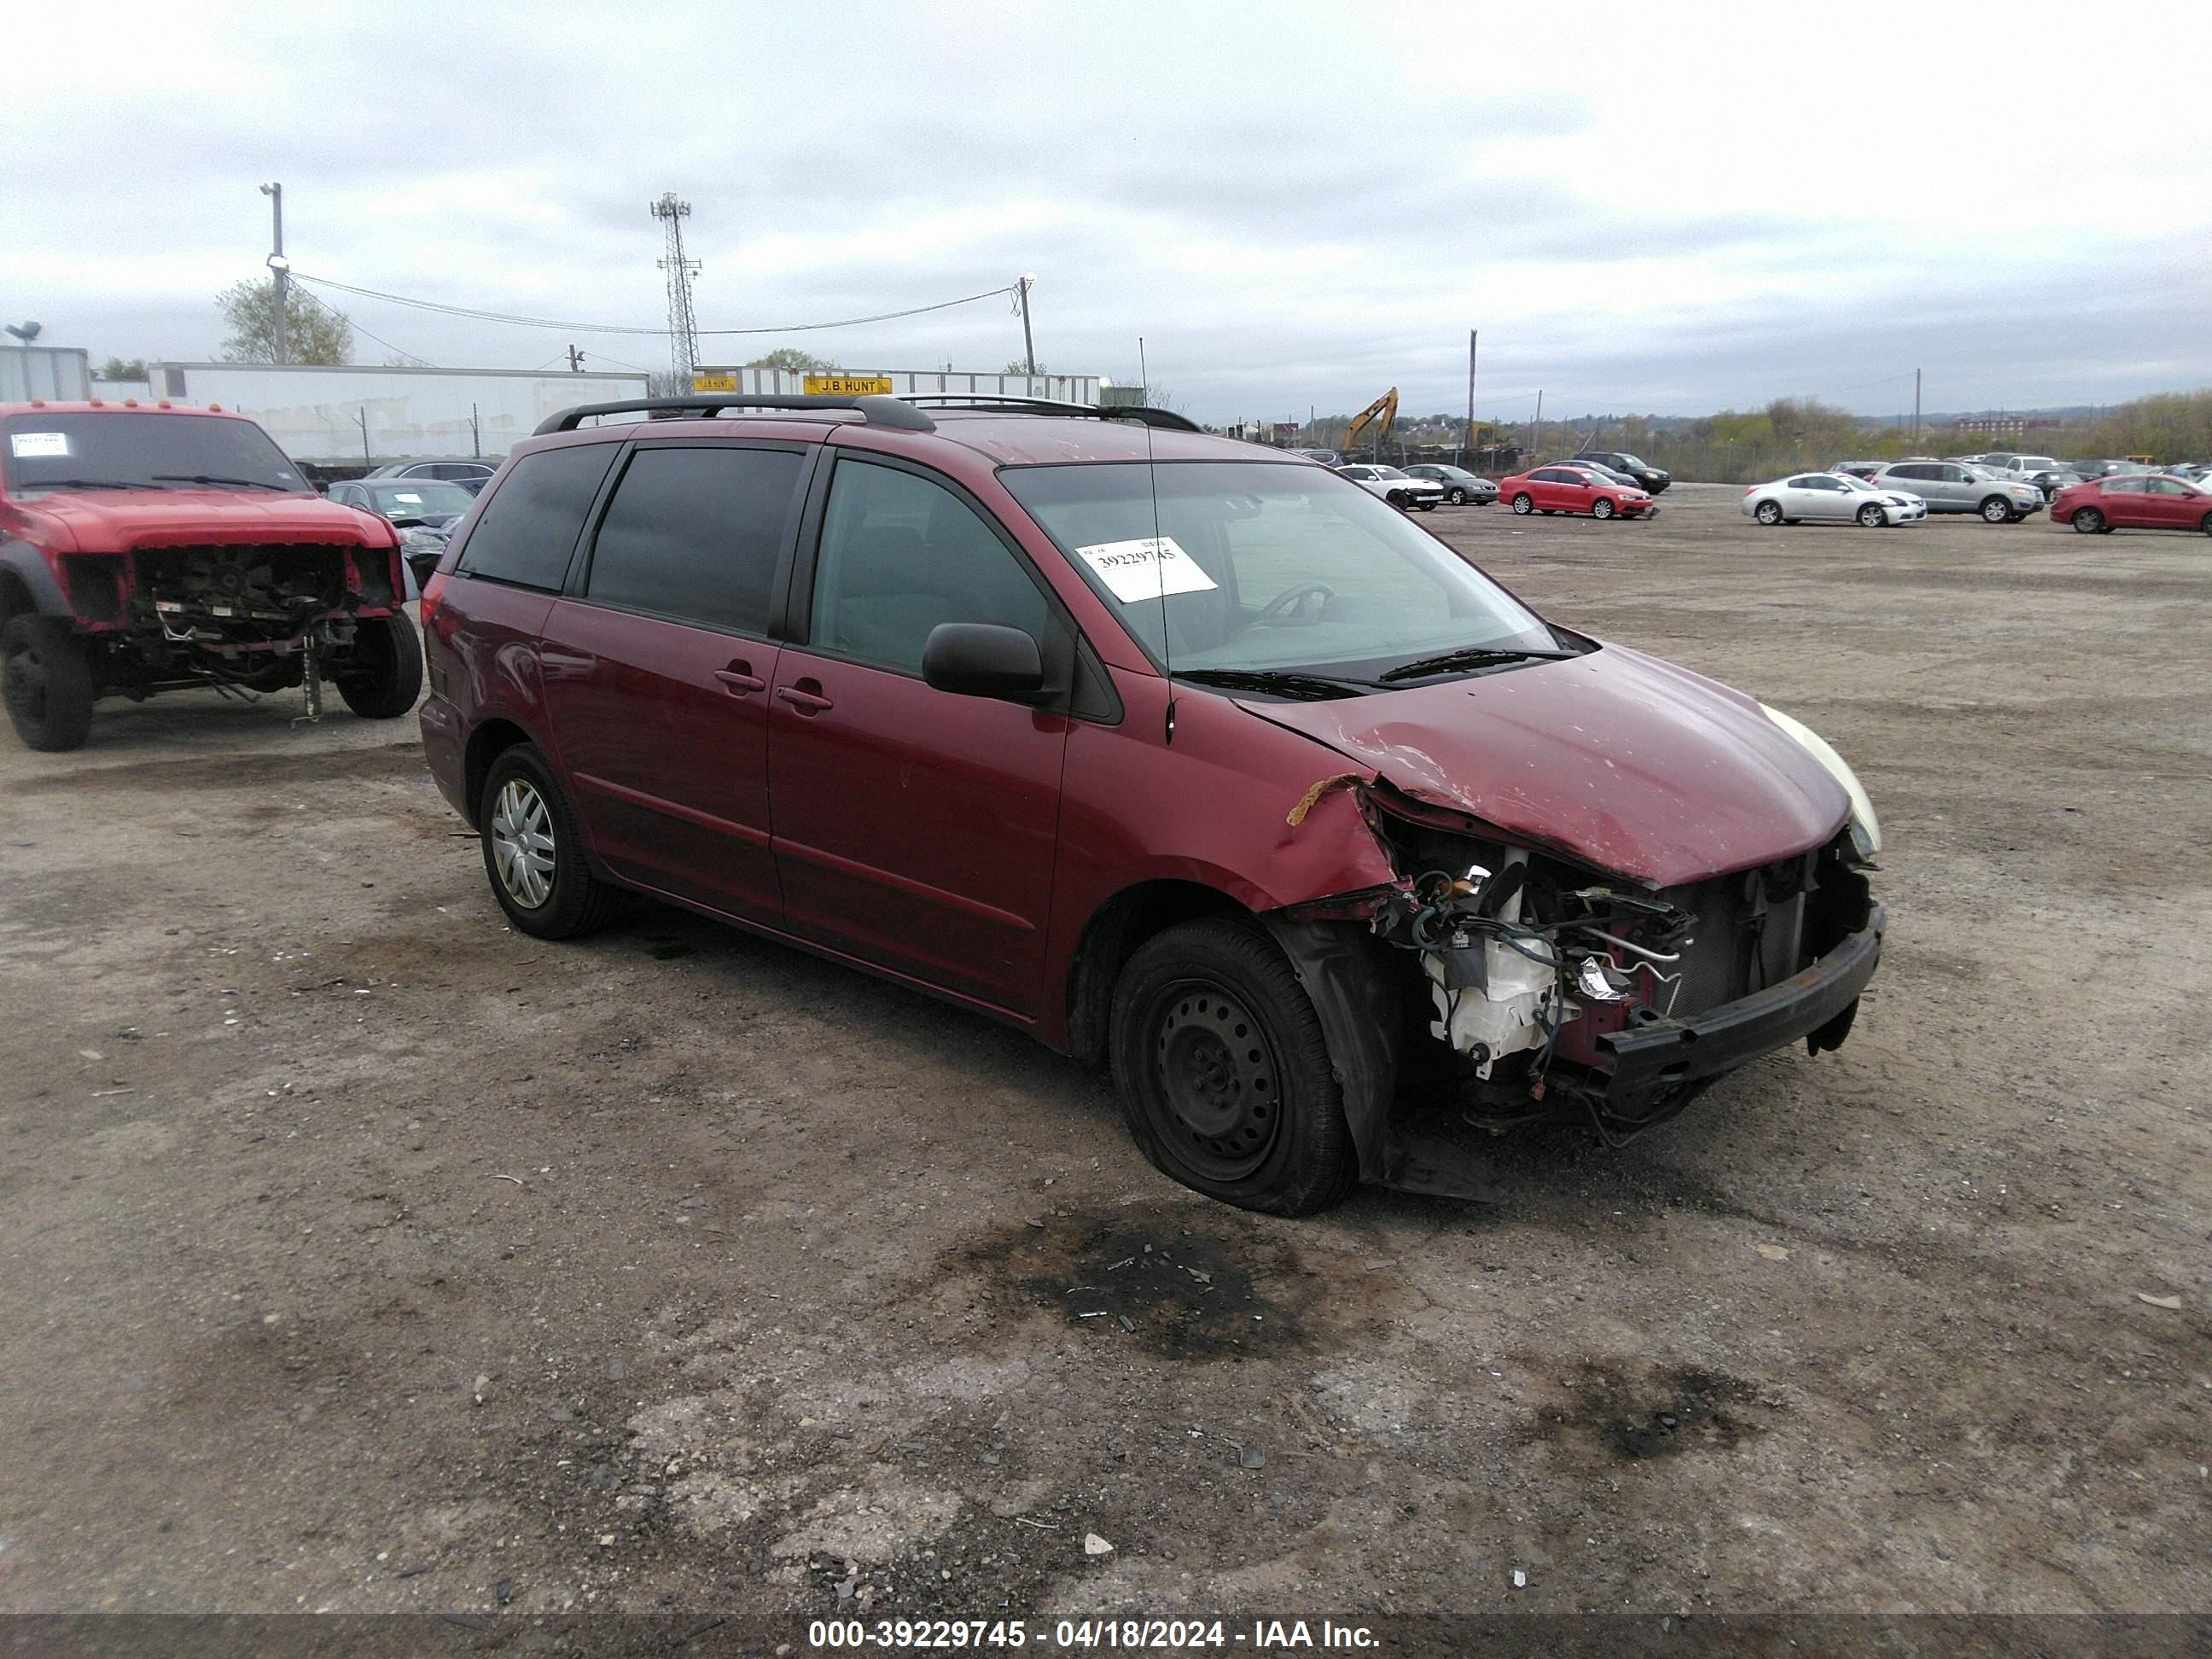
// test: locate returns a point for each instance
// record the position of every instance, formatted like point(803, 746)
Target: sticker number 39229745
point(30, 445)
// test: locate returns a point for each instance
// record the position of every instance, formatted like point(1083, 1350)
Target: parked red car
point(2134, 502)
point(1564, 488)
point(1182, 754)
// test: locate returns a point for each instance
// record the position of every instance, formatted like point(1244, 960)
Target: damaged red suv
point(1185, 755)
point(149, 549)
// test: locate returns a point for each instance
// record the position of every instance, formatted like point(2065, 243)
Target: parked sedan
point(2134, 500)
point(1958, 487)
point(1460, 485)
point(424, 510)
point(1564, 487)
point(471, 475)
point(1400, 489)
point(1860, 470)
point(1835, 497)
point(1649, 479)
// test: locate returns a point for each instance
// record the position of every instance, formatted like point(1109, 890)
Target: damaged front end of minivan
point(1498, 983)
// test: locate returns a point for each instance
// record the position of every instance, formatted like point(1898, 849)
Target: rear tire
point(1225, 1074)
point(2087, 521)
point(533, 851)
point(1872, 516)
point(46, 678)
point(384, 676)
point(1768, 512)
point(2207, 525)
point(1523, 505)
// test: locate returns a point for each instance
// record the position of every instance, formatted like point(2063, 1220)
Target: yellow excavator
point(1372, 422)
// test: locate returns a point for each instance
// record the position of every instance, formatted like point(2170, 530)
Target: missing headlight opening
point(1538, 975)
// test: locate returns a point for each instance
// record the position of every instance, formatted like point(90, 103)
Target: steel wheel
point(1600, 508)
point(1769, 513)
point(1218, 1080)
point(1871, 516)
point(522, 843)
point(2089, 521)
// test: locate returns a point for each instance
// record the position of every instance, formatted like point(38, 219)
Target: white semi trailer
point(348, 419)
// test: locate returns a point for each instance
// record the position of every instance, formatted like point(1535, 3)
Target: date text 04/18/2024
point(1264, 1636)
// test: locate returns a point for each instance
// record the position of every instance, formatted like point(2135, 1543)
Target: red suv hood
point(120, 521)
point(1622, 761)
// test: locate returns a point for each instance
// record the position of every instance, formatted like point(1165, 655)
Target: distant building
point(2002, 426)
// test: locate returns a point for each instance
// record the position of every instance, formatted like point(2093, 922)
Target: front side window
point(900, 554)
point(528, 532)
point(1249, 566)
point(694, 534)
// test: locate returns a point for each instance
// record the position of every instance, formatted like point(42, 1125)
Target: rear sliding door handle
point(739, 682)
point(806, 702)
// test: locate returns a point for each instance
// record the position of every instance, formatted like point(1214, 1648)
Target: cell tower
point(683, 326)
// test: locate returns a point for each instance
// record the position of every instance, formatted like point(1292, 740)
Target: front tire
point(1456, 497)
point(1768, 512)
point(1996, 510)
point(1872, 516)
point(2089, 521)
point(533, 851)
point(1523, 505)
point(1425, 505)
point(384, 675)
point(46, 679)
point(1600, 508)
point(1225, 1074)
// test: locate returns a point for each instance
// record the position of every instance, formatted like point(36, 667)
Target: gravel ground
point(361, 1255)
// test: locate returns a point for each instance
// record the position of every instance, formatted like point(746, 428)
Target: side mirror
point(982, 659)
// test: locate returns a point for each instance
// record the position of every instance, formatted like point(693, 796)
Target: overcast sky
point(1640, 212)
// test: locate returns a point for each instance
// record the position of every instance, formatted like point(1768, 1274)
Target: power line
point(420, 359)
point(482, 316)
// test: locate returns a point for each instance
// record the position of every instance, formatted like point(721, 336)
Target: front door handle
point(740, 678)
point(806, 701)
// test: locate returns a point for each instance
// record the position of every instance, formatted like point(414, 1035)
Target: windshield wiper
point(1472, 656)
point(211, 479)
point(1306, 688)
point(88, 484)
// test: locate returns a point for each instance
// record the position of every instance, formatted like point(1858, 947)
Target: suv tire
point(533, 851)
point(47, 681)
point(384, 676)
point(1995, 509)
point(1224, 1071)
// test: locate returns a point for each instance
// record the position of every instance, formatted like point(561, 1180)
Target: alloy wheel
point(522, 843)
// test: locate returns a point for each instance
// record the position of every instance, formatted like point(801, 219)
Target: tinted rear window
point(694, 534)
point(527, 533)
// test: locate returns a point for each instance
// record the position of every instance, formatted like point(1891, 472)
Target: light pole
point(1029, 351)
point(278, 263)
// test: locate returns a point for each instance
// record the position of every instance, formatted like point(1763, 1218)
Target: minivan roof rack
point(985, 403)
point(878, 411)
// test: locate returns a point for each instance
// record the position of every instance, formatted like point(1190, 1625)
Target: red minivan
point(1186, 755)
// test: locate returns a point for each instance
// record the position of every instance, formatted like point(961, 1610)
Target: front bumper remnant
point(1662, 1055)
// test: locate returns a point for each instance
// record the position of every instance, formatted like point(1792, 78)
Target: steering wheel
point(1290, 600)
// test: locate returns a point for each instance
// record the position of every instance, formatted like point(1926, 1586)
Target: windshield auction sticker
point(1150, 567)
point(26, 446)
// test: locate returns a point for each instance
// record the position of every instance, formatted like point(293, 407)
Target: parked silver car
point(1961, 487)
point(1835, 497)
point(1400, 489)
point(1460, 485)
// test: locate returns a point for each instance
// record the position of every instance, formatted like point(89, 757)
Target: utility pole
point(1029, 349)
point(1144, 375)
point(279, 264)
point(476, 433)
point(1916, 406)
point(575, 361)
point(683, 326)
point(1535, 432)
point(1471, 335)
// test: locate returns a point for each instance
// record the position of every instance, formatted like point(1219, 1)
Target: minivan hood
point(120, 521)
point(1615, 758)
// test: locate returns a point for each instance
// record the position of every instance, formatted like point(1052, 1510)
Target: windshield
point(419, 498)
point(62, 449)
point(1267, 568)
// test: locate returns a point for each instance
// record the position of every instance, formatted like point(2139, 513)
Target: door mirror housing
point(982, 659)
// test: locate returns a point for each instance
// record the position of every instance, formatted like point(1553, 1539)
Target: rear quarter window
point(529, 530)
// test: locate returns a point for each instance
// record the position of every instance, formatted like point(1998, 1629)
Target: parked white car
point(1400, 489)
point(1831, 497)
